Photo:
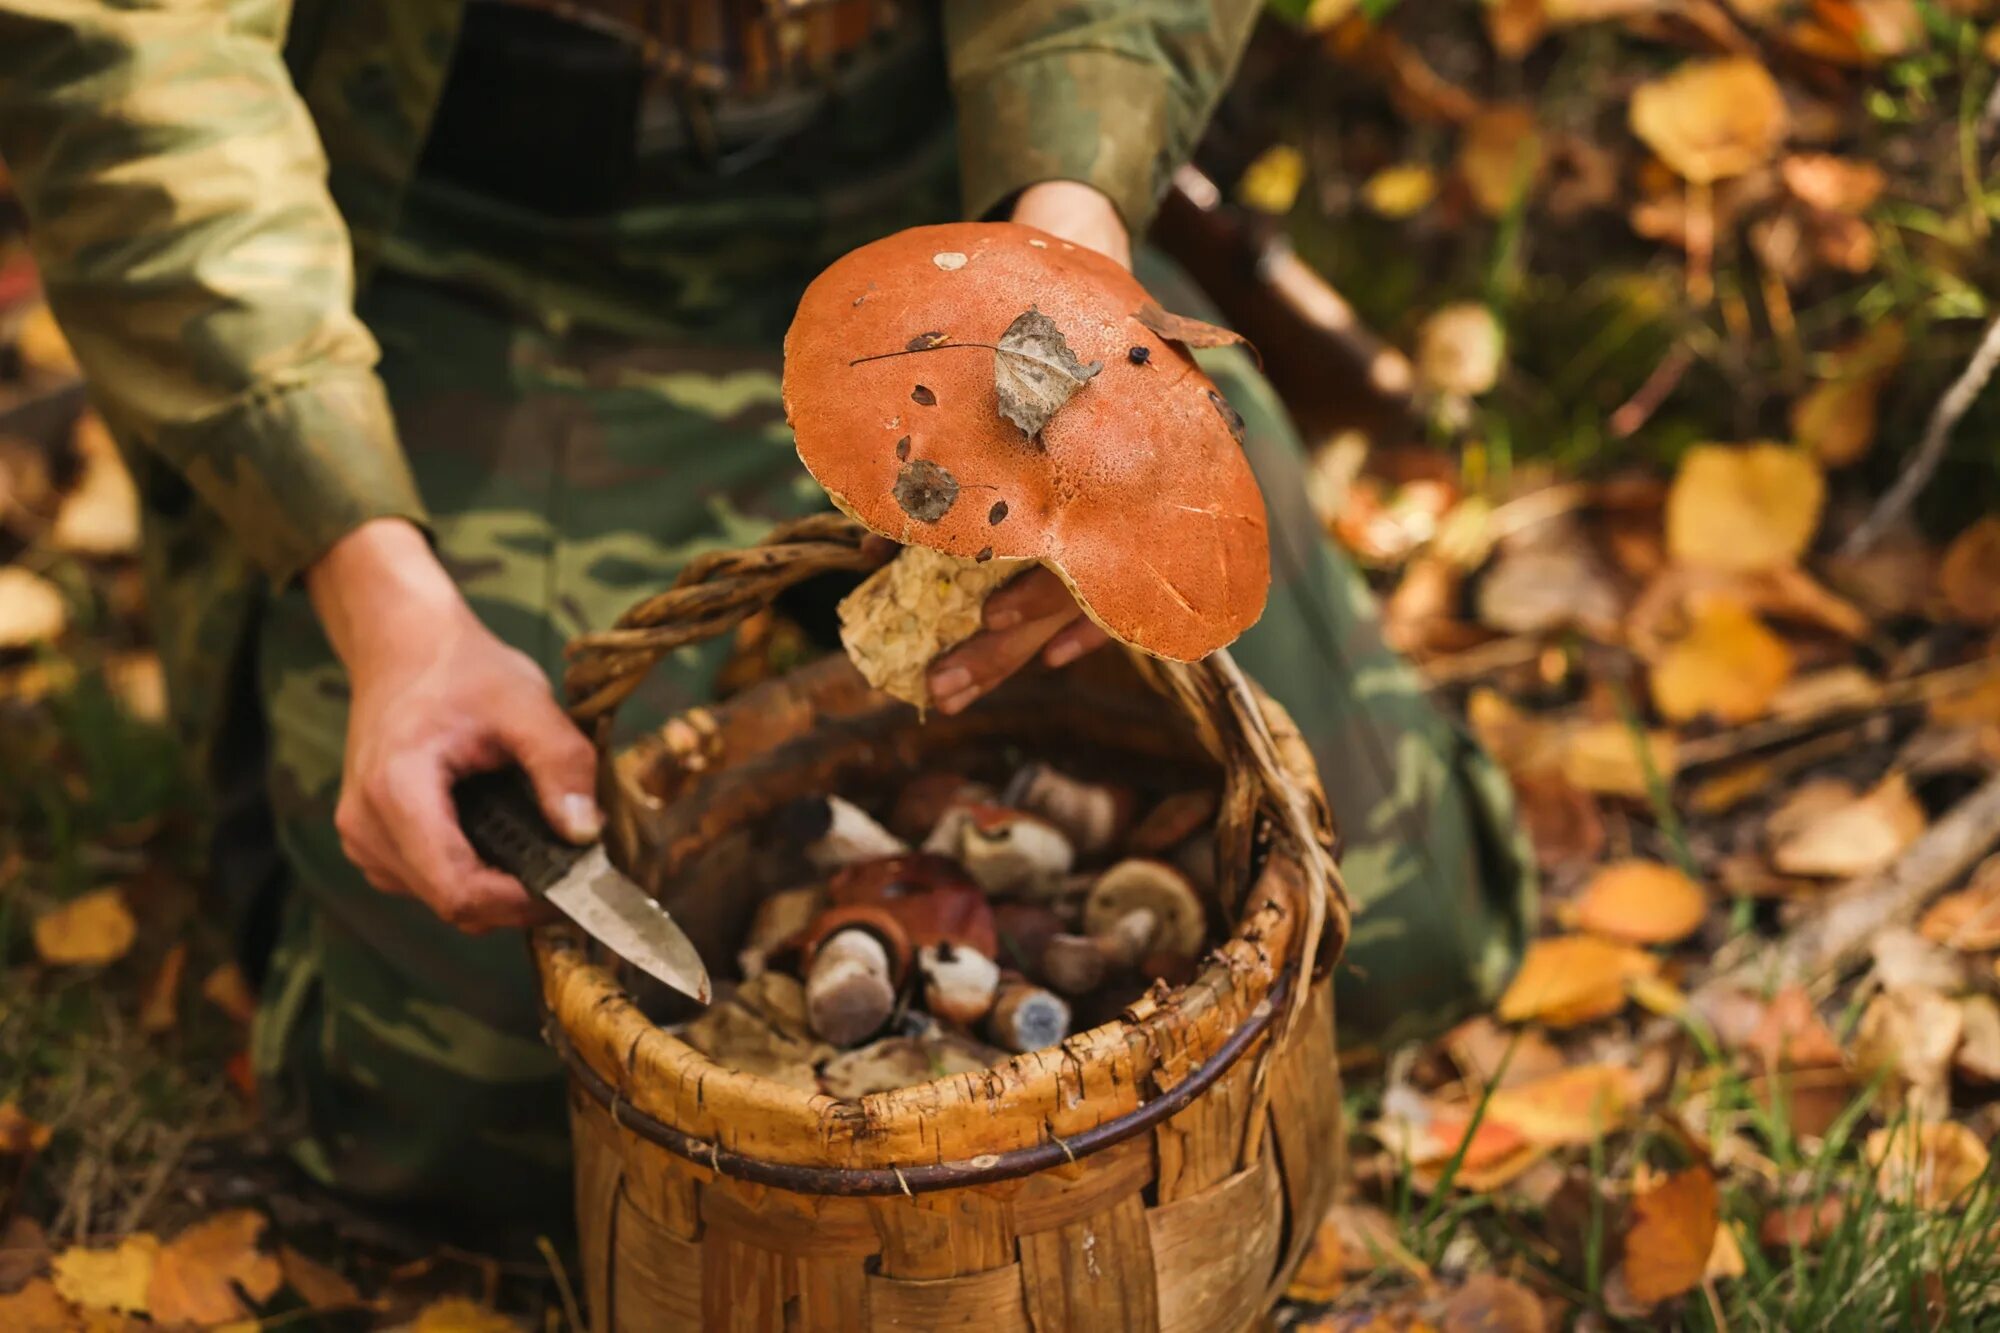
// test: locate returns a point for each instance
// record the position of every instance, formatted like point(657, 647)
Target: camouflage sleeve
point(1112, 93)
point(176, 195)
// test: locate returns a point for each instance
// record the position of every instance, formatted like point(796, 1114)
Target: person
point(436, 331)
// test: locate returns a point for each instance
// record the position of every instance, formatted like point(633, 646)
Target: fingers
point(563, 766)
point(1036, 595)
point(1082, 635)
point(990, 656)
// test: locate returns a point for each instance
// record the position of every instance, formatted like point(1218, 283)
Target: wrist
point(381, 588)
point(1078, 213)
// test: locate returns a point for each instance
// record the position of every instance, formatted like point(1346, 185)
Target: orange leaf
point(1743, 508)
point(228, 990)
point(1931, 1164)
point(38, 1308)
point(456, 1314)
point(18, 1133)
point(1572, 979)
point(1790, 1034)
point(196, 1278)
point(1672, 1235)
point(1970, 918)
point(1837, 184)
point(1970, 574)
point(1607, 758)
point(1711, 119)
point(1500, 157)
point(320, 1287)
point(94, 929)
point(113, 1279)
point(1568, 1109)
point(1641, 902)
point(1486, 1143)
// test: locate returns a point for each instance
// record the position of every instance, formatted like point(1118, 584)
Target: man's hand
point(1035, 614)
point(436, 696)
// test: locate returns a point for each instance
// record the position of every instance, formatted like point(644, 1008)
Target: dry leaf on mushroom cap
point(1135, 490)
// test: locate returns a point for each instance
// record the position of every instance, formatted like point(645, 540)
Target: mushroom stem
point(845, 833)
point(1090, 814)
point(850, 986)
point(1027, 1017)
point(781, 919)
point(959, 982)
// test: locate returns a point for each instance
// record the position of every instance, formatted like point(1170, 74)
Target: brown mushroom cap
point(1142, 884)
point(1136, 491)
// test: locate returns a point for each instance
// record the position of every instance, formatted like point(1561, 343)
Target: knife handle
point(503, 821)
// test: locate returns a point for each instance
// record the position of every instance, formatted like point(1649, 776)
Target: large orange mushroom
point(989, 395)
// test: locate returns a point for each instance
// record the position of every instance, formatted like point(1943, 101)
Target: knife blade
point(503, 822)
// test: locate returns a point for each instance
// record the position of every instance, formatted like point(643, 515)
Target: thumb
point(562, 764)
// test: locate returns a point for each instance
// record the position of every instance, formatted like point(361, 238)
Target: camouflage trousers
point(570, 475)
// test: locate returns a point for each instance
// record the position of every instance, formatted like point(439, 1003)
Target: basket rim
point(926, 1178)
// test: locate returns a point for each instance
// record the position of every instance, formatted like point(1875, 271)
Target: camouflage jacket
point(204, 179)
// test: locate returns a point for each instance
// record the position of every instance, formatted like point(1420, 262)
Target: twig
point(1739, 741)
point(1637, 410)
point(1838, 930)
point(1457, 668)
point(1957, 400)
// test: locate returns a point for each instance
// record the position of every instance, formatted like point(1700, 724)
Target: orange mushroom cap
point(1136, 490)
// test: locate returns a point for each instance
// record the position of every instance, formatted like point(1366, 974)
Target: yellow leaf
point(1641, 902)
point(1835, 418)
point(1567, 1109)
point(1400, 191)
point(1836, 184)
point(1672, 1235)
point(32, 609)
point(1725, 1260)
point(1743, 508)
point(1728, 666)
point(18, 1133)
point(1970, 574)
point(1607, 758)
point(1571, 979)
point(96, 928)
point(197, 1274)
point(1710, 119)
point(1930, 1164)
point(320, 1287)
point(38, 1308)
point(40, 344)
point(1852, 837)
point(1460, 349)
point(1271, 183)
point(1500, 158)
point(1968, 919)
point(114, 1279)
point(100, 515)
point(456, 1314)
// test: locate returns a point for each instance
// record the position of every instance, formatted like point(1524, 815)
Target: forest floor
point(1671, 298)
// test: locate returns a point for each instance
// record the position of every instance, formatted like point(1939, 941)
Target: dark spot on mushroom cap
point(923, 396)
point(925, 491)
point(985, 554)
point(923, 342)
point(1230, 415)
point(902, 449)
point(997, 512)
point(1139, 356)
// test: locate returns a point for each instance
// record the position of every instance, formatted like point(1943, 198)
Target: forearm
point(379, 591)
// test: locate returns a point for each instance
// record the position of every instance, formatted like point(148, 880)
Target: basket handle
point(1251, 738)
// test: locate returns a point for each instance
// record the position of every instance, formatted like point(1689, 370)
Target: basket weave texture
point(1163, 1171)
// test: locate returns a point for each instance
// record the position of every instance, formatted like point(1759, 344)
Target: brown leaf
point(1492, 1304)
point(1970, 918)
point(39, 1308)
point(159, 1010)
point(108, 1279)
point(1478, 1046)
point(1978, 1053)
point(1836, 184)
point(1572, 979)
point(1743, 508)
point(198, 1274)
point(41, 347)
point(1500, 157)
point(24, 1253)
point(925, 490)
point(19, 1134)
point(1790, 1034)
point(1853, 837)
point(1188, 331)
point(1562, 819)
point(1970, 574)
point(1928, 1164)
point(1672, 1235)
point(32, 610)
point(1859, 32)
point(1641, 902)
point(94, 929)
point(229, 990)
point(1035, 372)
point(320, 1287)
point(1710, 119)
point(1352, 1240)
point(1728, 666)
point(1570, 1108)
point(1835, 418)
point(1911, 1034)
point(1801, 1225)
point(1548, 587)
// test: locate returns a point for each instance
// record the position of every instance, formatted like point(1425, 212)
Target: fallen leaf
point(1641, 902)
point(1801, 1225)
point(1657, 995)
point(100, 515)
point(1035, 372)
point(1911, 1034)
point(197, 1274)
point(1978, 1053)
point(113, 1279)
point(1743, 508)
point(1836, 417)
point(1728, 666)
point(1725, 1260)
point(1500, 157)
point(456, 1314)
point(1484, 1051)
point(1484, 1143)
point(159, 1010)
point(1271, 182)
point(1892, 578)
point(1709, 119)
point(1460, 349)
point(1836, 184)
point(1562, 819)
point(1905, 960)
point(39, 1308)
point(32, 610)
point(320, 1287)
point(1191, 332)
point(1839, 689)
point(1858, 32)
point(24, 1254)
point(1570, 979)
point(1672, 1234)
point(1968, 919)
point(1491, 1304)
point(1400, 192)
point(1853, 838)
point(18, 1133)
point(1352, 1240)
point(1608, 758)
point(1928, 1164)
point(1791, 1035)
point(229, 990)
point(1970, 574)
point(41, 346)
point(1570, 1108)
point(1549, 587)
point(94, 929)
point(139, 684)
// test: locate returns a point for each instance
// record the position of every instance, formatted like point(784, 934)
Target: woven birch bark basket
point(1161, 1171)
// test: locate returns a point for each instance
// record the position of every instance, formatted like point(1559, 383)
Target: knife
point(503, 821)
